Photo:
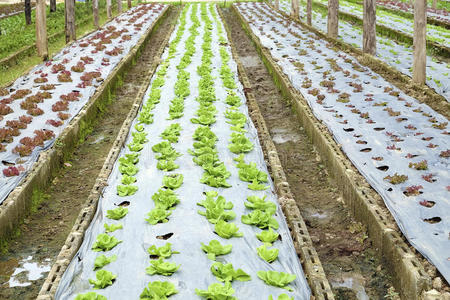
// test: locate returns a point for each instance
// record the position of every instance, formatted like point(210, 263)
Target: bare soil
point(347, 255)
point(44, 232)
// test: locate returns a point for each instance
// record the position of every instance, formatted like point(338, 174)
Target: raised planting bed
point(59, 100)
point(394, 53)
point(399, 145)
point(189, 196)
point(8, 10)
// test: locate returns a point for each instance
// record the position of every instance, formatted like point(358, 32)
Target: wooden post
point(420, 41)
point(309, 12)
point(295, 13)
point(333, 18)
point(129, 4)
point(108, 9)
point(95, 12)
point(27, 12)
point(369, 27)
point(69, 11)
point(41, 29)
point(119, 6)
point(277, 4)
point(52, 5)
point(434, 4)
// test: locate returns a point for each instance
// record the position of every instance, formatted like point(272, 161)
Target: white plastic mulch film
point(401, 146)
point(396, 54)
point(53, 93)
point(185, 228)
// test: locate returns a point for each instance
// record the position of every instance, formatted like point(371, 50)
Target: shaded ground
point(346, 253)
point(43, 234)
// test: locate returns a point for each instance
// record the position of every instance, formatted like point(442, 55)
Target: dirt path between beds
point(42, 235)
point(346, 253)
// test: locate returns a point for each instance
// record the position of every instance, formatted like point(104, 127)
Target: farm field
point(394, 53)
point(438, 14)
point(227, 151)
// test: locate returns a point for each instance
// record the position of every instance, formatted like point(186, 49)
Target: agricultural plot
point(438, 14)
point(38, 106)
point(7, 10)
point(396, 54)
point(435, 33)
point(189, 211)
point(398, 144)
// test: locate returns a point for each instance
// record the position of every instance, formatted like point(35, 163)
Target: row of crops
point(439, 14)
point(398, 144)
point(38, 106)
point(189, 211)
point(395, 53)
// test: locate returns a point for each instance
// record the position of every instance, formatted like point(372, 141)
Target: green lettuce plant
point(90, 296)
point(161, 252)
point(135, 147)
point(172, 133)
point(226, 272)
point(103, 260)
point(158, 215)
point(127, 179)
point(278, 279)
point(167, 165)
point(126, 190)
point(105, 242)
point(173, 181)
point(158, 290)
point(166, 151)
point(129, 158)
point(103, 279)
point(257, 203)
point(268, 255)
point(217, 291)
point(282, 297)
point(117, 213)
point(260, 219)
point(215, 248)
point(214, 200)
point(227, 230)
point(250, 173)
point(145, 117)
point(162, 267)
point(165, 199)
point(139, 137)
point(268, 236)
point(112, 227)
point(233, 99)
point(240, 143)
point(126, 168)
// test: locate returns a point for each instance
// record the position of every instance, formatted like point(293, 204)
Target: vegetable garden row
point(398, 144)
point(189, 210)
point(395, 53)
point(438, 14)
point(38, 106)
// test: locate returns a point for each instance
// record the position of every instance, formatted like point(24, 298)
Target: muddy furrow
point(42, 235)
point(345, 251)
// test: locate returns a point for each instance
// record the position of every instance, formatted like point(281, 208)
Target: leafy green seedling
point(279, 279)
point(240, 143)
point(282, 297)
point(162, 267)
point(126, 190)
point(90, 296)
point(127, 180)
point(105, 242)
point(158, 290)
point(117, 213)
point(255, 202)
point(227, 230)
point(268, 255)
point(217, 291)
point(112, 227)
point(260, 219)
point(103, 279)
point(173, 181)
point(267, 236)
point(158, 215)
point(161, 252)
point(165, 199)
point(215, 248)
point(103, 260)
point(167, 165)
point(226, 272)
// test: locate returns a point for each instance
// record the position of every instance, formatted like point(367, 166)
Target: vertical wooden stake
point(309, 12)
point(41, 29)
point(95, 12)
point(52, 5)
point(119, 6)
point(295, 13)
point(420, 41)
point(434, 4)
point(129, 4)
point(277, 4)
point(108, 9)
point(369, 27)
point(27, 12)
point(333, 18)
point(69, 11)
